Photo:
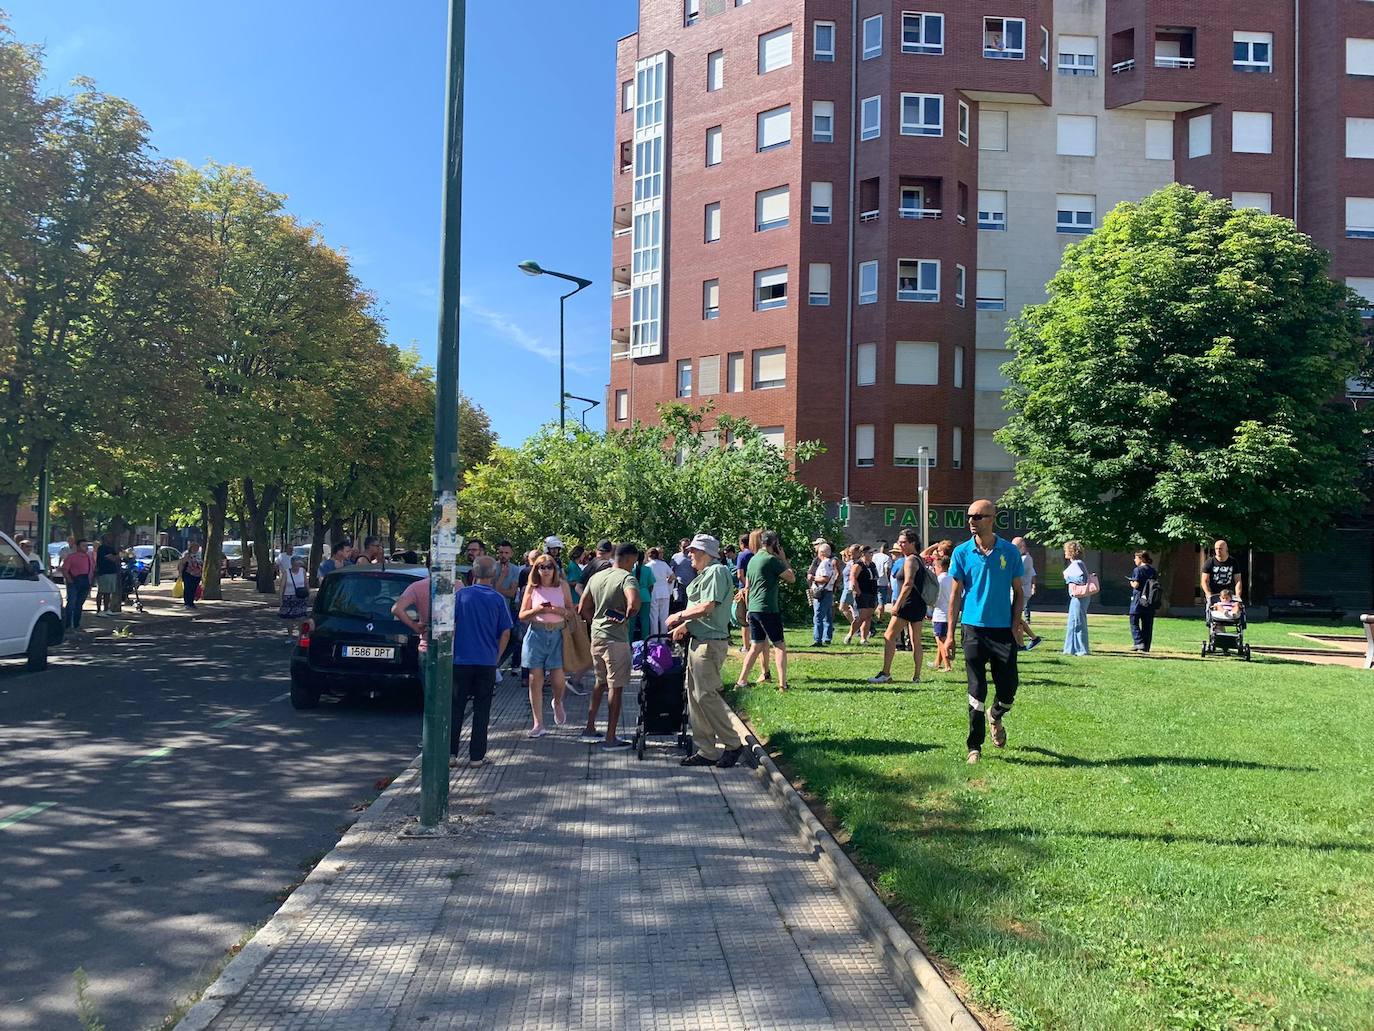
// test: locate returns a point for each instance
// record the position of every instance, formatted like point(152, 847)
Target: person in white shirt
point(664, 582)
point(882, 565)
point(1028, 576)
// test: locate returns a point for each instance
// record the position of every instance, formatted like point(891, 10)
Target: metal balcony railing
point(1121, 67)
point(1175, 62)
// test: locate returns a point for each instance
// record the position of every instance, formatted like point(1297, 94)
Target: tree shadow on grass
point(1016, 833)
point(791, 744)
point(1053, 758)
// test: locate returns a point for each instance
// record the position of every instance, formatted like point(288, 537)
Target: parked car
point(351, 644)
point(238, 558)
point(55, 561)
point(30, 607)
point(143, 562)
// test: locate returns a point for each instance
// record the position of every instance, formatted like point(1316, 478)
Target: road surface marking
point(281, 697)
point(25, 813)
point(231, 721)
point(156, 753)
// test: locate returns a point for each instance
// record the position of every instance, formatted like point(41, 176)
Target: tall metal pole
point(44, 503)
point(923, 485)
point(444, 542)
point(156, 576)
point(562, 386)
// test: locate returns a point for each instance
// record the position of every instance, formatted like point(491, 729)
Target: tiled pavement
point(578, 889)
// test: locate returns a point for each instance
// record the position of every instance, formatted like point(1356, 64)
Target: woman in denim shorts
point(545, 606)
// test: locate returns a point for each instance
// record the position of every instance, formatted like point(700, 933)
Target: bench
point(1304, 606)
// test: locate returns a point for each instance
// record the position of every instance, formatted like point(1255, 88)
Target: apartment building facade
point(826, 211)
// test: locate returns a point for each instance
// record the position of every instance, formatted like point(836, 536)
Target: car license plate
point(361, 651)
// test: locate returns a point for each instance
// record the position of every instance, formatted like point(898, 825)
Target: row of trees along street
point(173, 342)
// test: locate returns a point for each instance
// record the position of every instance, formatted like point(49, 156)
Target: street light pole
point(923, 486)
point(533, 268)
point(590, 405)
point(444, 543)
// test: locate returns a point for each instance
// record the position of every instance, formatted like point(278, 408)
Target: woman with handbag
point(1082, 586)
point(545, 608)
point(295, 595)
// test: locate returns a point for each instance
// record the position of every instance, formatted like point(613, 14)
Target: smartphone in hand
point(615, 615)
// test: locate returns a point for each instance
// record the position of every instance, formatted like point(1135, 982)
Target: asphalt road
point(158, 794)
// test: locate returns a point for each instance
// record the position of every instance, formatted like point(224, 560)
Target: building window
point(863, 445)
point(650, 78)
point(710, 299)
point(691, 11)
point(1004, 39)
point(775, 128)
point(963, 123)
point(956, 448)
point(1075, 214)
point(713, 146)
point(627, 95)
point(1200, 136)
point(866, 365)
point(1252, 132)
point(622, 405)
point(923, 33)
point(870, 118)
point(992, 290)
point(822, 199)
point(1077, 55)
point(873, 37)
point(684, 378)
point(913, 202)
point(1363, 286)
point(770, 368)
point(1077, 135)
point(646, 242)
point(958, 368)
point(1359, 137)
point(648, 166)
point(918, 279)
point(734, 373)
point(960, 283)
point(916, 364)
point(713, 222)
point(1044, 48)
point(708, 375)
point(1359, 57)
point(1159, 139)
point(818, 283)
point(823, 41)
point(644, 318)
point(1254, 201)
point(1253, 52)
point(771, 209)
point(822, 121)
point(923, 114)
point(907, 441)
point(992, 129)
point(775, 50)
point(772, 436)
point(868, 282)
point(1359, 218)
point(992, 210)
point(770, 288)
point(715, 70)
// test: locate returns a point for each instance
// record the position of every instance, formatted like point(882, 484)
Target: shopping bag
point(178, 587)
point(200, 591)
point(577, 647)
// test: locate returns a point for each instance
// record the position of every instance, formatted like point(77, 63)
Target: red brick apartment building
point(825, 211)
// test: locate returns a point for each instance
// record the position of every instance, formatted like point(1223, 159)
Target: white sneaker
point(881, 678)
point(974, 756)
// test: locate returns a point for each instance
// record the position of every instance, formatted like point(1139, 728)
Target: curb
point(241, 970)
point(935, 1001)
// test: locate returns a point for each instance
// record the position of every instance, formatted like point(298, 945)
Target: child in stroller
point(1226, 627)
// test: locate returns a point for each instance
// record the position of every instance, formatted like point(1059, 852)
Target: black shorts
point(765, 624)
point(914, 610)
point(867, 601)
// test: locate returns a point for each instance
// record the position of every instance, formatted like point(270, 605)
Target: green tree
point(1182, 381)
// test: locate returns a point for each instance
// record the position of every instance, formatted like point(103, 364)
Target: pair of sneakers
point(728, 758)
point(999, 738)
point(886, 678)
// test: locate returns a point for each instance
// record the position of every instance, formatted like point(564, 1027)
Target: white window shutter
point(866, 365)
point(1159, 140)
point(1252, 132)
point(1200, 136)
point(775, 127)
point(917, 363)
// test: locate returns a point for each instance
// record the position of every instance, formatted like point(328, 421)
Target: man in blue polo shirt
point(987, 593)
point(481, 630)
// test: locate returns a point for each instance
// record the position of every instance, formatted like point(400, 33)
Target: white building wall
point(1033, 175)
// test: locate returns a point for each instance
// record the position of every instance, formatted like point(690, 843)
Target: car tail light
point(304, 640)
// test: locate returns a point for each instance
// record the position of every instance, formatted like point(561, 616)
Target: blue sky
point(339, 105)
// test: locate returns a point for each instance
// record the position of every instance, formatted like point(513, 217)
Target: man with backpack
point(1144, 601)
point(917, 590)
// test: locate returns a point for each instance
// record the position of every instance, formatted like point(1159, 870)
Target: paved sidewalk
point(579, 889)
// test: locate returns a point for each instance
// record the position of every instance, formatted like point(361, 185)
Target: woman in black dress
point(863, 582)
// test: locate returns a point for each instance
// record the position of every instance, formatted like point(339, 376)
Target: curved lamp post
point(532, 268)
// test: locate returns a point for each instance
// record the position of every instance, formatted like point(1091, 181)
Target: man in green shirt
point(705, 622)
point(611, 601)
point(765, 571)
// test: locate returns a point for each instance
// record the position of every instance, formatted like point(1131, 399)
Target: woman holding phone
point(545, 606)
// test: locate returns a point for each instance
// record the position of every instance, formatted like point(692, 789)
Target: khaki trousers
point(710, 716)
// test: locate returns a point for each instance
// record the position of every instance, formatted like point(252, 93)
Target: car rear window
point(366, 596)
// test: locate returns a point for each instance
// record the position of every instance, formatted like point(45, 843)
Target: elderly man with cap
point(705, 622)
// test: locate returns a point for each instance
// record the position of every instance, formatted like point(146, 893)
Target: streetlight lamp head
point(530, 268)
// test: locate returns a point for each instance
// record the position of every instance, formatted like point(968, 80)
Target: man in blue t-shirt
point(987, 593)
point(481, 629)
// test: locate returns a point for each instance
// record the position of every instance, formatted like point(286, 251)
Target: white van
point(30, 607)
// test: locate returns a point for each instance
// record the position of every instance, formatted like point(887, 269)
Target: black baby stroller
point(663, 694)
point(1226, 630)
point(129, 583)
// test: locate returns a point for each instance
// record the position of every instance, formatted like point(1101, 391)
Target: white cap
point(552, 542)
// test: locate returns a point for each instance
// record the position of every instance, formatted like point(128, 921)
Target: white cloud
point(504, 326)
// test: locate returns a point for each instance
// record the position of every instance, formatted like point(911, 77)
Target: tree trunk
point(76, 522)
point(391, 530)
point(214, 534)
point(118, 525)
point(258, 509)
point(316, 536)
point(9, 511)
point(1165, 568)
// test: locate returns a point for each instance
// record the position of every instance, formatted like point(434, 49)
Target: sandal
point(741, 685)
point(782, 688)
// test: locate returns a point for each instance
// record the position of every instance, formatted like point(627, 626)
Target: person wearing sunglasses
point(545, 607)
point(987, 595)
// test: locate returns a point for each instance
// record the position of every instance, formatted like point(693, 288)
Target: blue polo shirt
point(480, 616)
point(986, 582)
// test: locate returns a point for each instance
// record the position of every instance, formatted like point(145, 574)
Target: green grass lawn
point(1164, 843)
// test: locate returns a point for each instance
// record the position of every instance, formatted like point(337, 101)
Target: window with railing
point(1175, 48)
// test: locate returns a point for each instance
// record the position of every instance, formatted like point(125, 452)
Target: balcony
point(1161, 77)
point(620, 342)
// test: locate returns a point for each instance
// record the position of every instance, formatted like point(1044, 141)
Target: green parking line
point(25, 813)
point(230, 721)
point(156, 753)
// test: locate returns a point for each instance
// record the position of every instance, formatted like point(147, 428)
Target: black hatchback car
point(351, 644)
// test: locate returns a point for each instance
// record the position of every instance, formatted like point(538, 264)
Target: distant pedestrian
point(507, 584)
point(882, 566)
point(107, 570)
point(545, 607)
point(475, 550)
point(191, 569)
point(1076, 575)
point(481, 629)
point(372, 553)
point(863, 586)
point(1144, 600)
point(295, 595)
point(77, 568)
point(662, 593)
point(824, 575)
point(603, 558)
point(339, 554)
point(741, 564)
point(767, 570)
point(847, 557)
point(682, 569)
point(644, 576)
point(704, 623)
point(611, 601)
point(908, 607)
point(1029, 577)
point(939, 617)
